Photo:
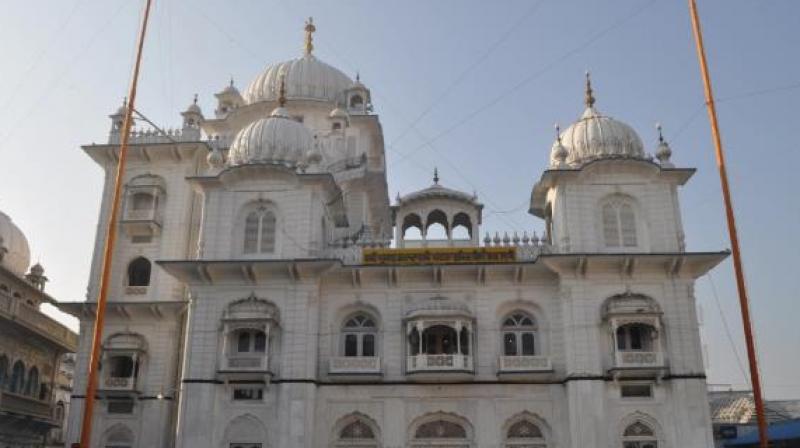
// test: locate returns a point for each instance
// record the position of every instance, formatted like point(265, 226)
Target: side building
point(266, 293)
point(32, 346)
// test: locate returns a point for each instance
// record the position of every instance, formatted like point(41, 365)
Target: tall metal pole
point(737, 257)
point(111, 237)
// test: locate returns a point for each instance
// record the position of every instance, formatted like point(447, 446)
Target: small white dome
point(306, 78)
point(278, 140)
point(15, 255)
point(595, 136)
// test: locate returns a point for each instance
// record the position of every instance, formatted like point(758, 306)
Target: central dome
point(276, 140)
point(595, 136)
point(307, 78)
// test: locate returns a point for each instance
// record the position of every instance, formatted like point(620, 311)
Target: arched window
point(525, 434)
point(356, 432)
point(259, 231)
point(32, 385)
point(121, 366)
point(441, 432)
point(143, 201)
point(639, 435)
point(412, 227)
point(462, 227)
point(17, 384)
point(251, 341)
point(118, 436)
point(359, 336)
point(519, 334)
point(436, 226)
point(635, 337)
point(619, 223)
point(356, 101)
point(3, 372)
point(139, 272)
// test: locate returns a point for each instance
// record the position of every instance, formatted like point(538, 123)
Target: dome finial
point(660, 135)
point(282, 92)
point(436, 175)
point(589, 99)
point(664, 152)
point(194, 101)
point(558, 133)
point(310, 28)
point(231, 81)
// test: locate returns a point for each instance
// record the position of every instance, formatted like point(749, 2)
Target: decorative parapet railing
point(634, 359)
point(25, 405)
point(113, 383)
point(355, 365)
point(527, 247)
point(32, 318)
point(245, 363)
point(154, 136)
point(439, 363)
point(519, 364)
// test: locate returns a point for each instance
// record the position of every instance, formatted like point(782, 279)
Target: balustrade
point(240, 362)
point(441, 362)
point(627, 359)
point(355, 365)
point(525, 364)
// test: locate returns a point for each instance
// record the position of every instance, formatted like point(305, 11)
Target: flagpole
point(737, 257)
point(111, 237)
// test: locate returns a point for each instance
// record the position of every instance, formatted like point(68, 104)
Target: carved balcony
point(636, 363)
point(355, 366)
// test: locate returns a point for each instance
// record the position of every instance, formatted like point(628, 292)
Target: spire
point(282, 92)
point(436, 176)
point(310, 28)
point(664, 152)
point(589, 99)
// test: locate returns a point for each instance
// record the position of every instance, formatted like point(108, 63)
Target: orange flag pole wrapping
point(111, 237)
point(737, 257)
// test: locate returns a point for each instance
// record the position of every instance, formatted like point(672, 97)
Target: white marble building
point(266, 294)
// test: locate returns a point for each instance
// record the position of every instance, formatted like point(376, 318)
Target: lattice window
point(639, 435)
point(259, 231)
point(525, 434)
point(619, 224)
point(440, 429)
point(359, 336)
point(357, 430)
point(519, 335)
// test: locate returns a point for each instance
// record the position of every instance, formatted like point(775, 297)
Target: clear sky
point(471, 87)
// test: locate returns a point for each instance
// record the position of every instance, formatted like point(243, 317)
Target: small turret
point(663, 152)
point(36, 277)
point(118, 118)
point(227, 100)
point(357, 97)
point(192, 116)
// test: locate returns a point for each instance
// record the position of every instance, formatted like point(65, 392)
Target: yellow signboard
point(440, 255)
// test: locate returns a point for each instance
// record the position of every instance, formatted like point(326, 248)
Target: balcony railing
point(634, 359)
point(246, 363)
point(24, 405)
point(142, 222)
point(439, 363)
point(119, 383)
point(519, 364)
point(34, 319)
point(359, 365)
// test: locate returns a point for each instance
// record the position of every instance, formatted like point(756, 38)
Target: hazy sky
point(471, 87)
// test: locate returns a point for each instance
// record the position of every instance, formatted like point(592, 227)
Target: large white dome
point(277, 140)
point(596, 136)
point(306, 78)
point(14, 252)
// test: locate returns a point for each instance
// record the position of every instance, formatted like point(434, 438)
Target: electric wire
point(463, 75)
point(739, 362)
point(514, 88)
point(60, 76)
point(54, 39)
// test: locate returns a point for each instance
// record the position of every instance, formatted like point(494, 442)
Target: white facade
point(248, 309)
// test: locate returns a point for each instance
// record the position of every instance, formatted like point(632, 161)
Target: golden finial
point(310, 28)
point(589, 100)
point(282, 92)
